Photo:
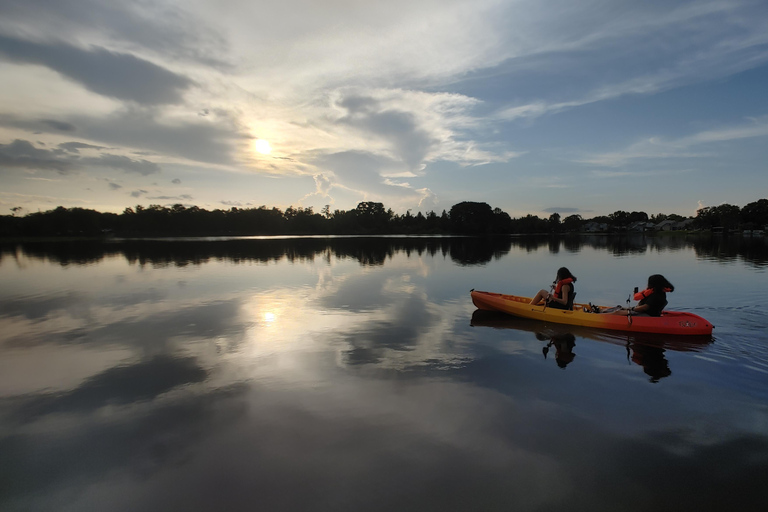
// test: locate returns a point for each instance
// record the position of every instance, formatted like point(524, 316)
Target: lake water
point(354, 374)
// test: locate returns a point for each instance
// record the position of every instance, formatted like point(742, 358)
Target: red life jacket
point(645, 293)
point(559, 287)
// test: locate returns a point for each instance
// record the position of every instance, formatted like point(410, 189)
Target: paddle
point(546, 301)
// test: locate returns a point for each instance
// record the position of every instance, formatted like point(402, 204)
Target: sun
point(262, 146)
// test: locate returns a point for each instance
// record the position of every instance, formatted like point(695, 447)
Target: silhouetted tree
point(572, 223)
point(469, 217)
point(756, 213)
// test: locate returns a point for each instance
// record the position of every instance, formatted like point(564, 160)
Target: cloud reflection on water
point(335, 383)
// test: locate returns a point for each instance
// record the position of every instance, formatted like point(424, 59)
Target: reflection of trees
point(179, 252)
point(619, 245)
point(729, 248)
point(376, 250)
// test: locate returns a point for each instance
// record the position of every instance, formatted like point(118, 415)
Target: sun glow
point(262, 146)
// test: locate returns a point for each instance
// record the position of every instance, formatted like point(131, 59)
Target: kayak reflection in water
point(564, 344)
point(652, 359)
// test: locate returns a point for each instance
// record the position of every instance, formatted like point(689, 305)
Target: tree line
point(465, 218)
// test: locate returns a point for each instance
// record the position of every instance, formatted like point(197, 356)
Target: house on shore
point(666, 225)
point(641, 227)
point(595, 227)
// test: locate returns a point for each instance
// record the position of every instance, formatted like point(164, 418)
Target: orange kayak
point(670, 322)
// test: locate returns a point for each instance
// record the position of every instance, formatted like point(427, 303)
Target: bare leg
point(539, 297)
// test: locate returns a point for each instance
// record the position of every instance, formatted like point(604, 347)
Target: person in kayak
point(563, 293)
point(653, 299)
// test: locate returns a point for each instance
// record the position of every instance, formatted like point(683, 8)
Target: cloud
point(355, 170)
point(144, 130)
point(176, 181)
point(409, 142)
point(58, 125)
point(138, 193)
point(118, 386)
point(636, 49)
point(323, 185)
point(198, 141)
point(683, 147)
point(428, 198)
point(159, 27)
point(22, 154)
point(116, 75)
point(123, 163)
point(75, 147)
point(114, 186)
point(413, 128)
point(185, 197)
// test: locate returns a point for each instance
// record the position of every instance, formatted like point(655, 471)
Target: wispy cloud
point(684, 147)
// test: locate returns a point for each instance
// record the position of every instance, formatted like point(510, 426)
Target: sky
point(532, 106)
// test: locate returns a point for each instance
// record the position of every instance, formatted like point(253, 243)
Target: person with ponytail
point(652, 300)
point(563, 293)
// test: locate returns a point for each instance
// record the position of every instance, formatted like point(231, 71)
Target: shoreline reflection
point(374, 250)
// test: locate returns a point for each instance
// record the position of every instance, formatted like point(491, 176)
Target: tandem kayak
point(670, 322)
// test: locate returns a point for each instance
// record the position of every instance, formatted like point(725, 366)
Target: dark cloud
point(37, 308)
point(114, 186)
point(65, 158)
point(204, 142)
point(144, 441)
point(74, 147)
point(37, 126)
point(22, 154)
point(138, 193)
point(371, 343)
point(209, 142)
point(123, 163)
point(116, 75)
point(411, 143)
point(59, 125)
point(176, 181)
point(117, 386)
point(156, 26)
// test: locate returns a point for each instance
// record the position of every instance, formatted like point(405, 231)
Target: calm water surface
point(355, 374)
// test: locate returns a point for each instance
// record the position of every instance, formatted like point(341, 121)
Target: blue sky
point(531, 106)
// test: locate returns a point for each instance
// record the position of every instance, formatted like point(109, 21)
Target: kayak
point(670, 322)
